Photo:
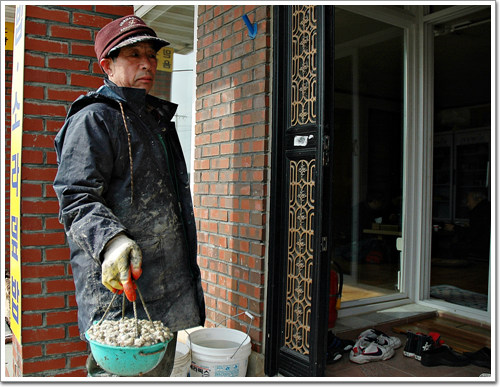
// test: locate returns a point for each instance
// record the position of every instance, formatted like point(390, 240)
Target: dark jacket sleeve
point(85, 154)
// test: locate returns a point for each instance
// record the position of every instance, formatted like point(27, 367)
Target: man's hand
point(122, 260)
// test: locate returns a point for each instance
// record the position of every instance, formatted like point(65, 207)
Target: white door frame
point(417, 168)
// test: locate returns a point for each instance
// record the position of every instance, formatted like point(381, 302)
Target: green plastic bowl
point(127, 361)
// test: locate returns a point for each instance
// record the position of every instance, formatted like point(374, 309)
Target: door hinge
point(324, 243)
point(326, 149)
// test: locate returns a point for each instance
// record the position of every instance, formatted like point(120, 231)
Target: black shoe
point(443, 355)
point(411, 344)
point(481, 358)
point(336, 347)
point(424, 343)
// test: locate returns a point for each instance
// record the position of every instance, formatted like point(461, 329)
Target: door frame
point(281, 357)
point(425, 90)
point(407, 20)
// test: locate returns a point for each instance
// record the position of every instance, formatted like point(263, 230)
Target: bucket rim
point(240, 346)
point(154, 347)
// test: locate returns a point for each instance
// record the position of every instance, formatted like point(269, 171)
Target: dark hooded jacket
point(121, 169)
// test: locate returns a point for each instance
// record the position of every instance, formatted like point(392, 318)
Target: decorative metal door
point(297, 307)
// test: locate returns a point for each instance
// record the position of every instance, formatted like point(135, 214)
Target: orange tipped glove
point(122, 261)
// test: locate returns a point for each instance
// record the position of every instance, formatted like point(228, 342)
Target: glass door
point(460, 254)
point(368, 155)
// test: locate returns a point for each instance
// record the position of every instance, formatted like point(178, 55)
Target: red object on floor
point(334, 301)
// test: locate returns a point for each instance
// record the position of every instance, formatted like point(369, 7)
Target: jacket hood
point(135, 98)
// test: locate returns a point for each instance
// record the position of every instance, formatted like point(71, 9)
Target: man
point(124, 195)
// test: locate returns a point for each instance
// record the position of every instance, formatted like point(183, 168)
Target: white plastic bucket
point(182, 360)
point(219, 352)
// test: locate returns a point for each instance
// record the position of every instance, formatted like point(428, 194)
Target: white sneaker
point(381, 338)
point(372, 352)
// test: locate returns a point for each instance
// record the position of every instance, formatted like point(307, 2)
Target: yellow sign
point(15, 170)
point(165, 57)
point(9, 36)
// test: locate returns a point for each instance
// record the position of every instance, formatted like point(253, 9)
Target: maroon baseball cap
point(123, 32)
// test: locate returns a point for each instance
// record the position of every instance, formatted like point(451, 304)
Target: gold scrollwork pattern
point(304, 66)
point(300, 255)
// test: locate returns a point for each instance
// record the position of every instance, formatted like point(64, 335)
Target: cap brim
point(157, 42)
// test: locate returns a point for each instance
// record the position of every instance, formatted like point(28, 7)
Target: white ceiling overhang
point(174, 23)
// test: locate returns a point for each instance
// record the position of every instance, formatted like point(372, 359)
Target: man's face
point(135, 66)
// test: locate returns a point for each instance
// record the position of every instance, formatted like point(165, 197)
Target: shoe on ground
point(424, 343)
point(481, 358)
point(373, 351)
point(411, 344)
point(336, 347)
point(336, 343)
point(444, 355)
point(381, 338)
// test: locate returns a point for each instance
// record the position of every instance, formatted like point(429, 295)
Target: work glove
point(122, 260)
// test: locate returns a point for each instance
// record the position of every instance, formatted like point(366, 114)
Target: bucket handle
point(151, 353)
point(248, 314)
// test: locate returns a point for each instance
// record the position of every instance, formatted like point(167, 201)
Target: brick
point(217, 214)
point(32, 157)
point(57, 254)
point(118, 10)
point(255, 59)
point(43, 239)
point(96, 68)
point(31, 288)
point(53, 224)
point(40, 109)
point(79, 361)
point(42, 334)
point(82, 49)
point(31, 224)
point(65, 348)
point(61, 285)
point(90, 20)
point(39, 174)
point(35, 28)
point(41, 207)
point(49, 188)
point(46, 45)
point(42, 271)
point(31, 60)
point(70, 33)
point(33, 124)
point(78, 373)
point(44, 76)
point(47, 14)
point(87, 81)
point(73, 330)
point(68, 64)
point(31, 367)
point(31, 351)
point(38, 141)
point(63, 95)
point(31, 255)
point(59, 318)
point(54, 125)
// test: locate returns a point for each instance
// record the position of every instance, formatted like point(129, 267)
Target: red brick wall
point(232, 162)
point(59, 66)
point(161, 88)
